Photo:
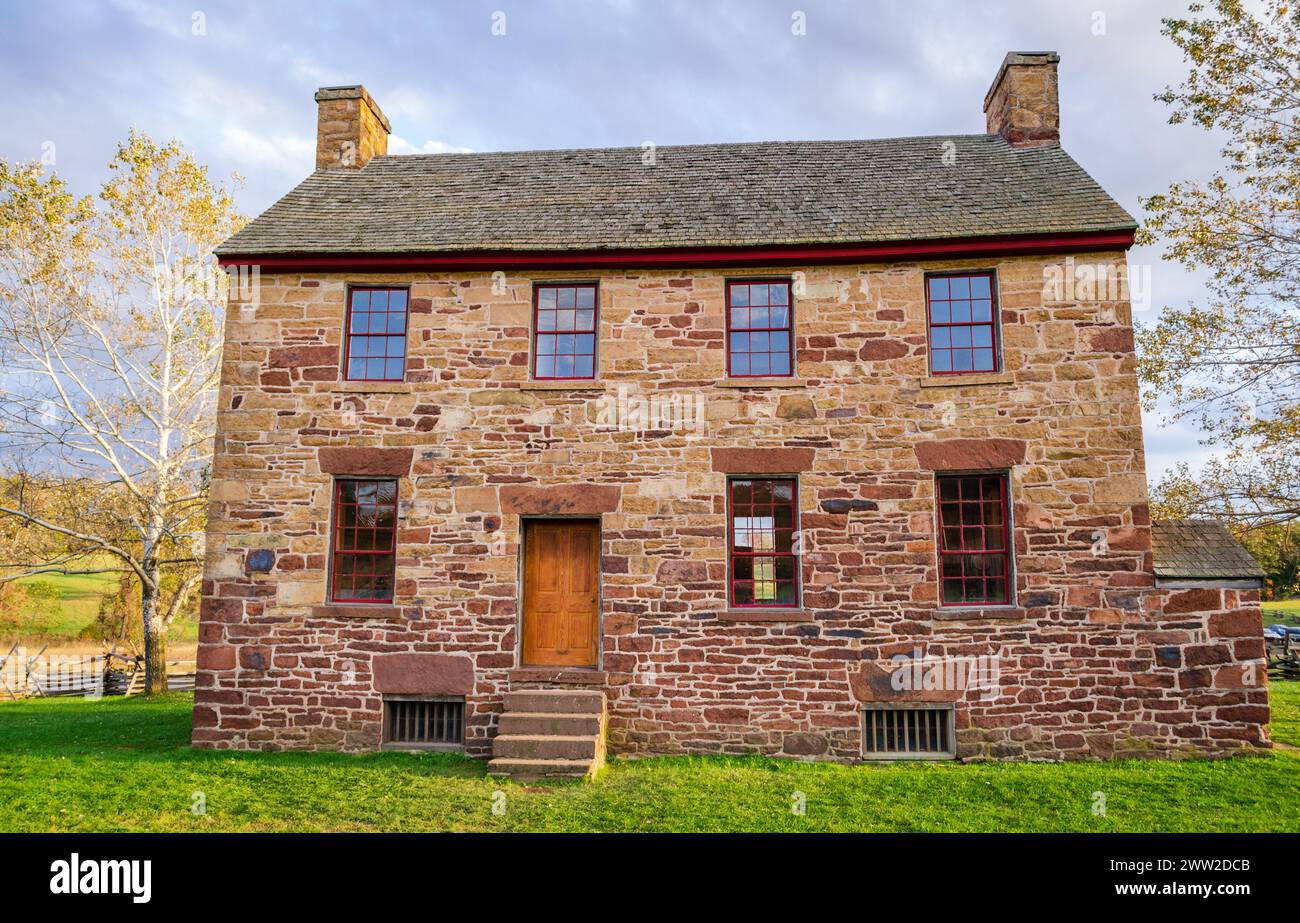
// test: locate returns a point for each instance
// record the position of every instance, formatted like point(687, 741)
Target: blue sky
point(234, 81)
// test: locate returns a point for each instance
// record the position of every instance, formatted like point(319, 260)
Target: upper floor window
point(376, 338)
point(764, 565)
point(564, 331)
point(963, 323)
point(974, 540)
point(364, 553)
point(760, 341)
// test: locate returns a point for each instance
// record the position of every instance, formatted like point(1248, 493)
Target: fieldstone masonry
point(1023, 105)
point(350, 128)
point(1095, 659)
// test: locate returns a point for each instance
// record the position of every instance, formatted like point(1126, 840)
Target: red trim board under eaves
point(668, 258)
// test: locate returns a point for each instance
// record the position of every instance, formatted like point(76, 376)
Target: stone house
point(824, 449)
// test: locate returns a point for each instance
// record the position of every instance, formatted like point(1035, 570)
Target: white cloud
point(255, 149)
point(407, 103)
point(1169, 442)
point(399, 145)
point(173, 22)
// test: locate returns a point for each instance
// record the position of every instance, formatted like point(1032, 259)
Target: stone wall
point(1094, 659)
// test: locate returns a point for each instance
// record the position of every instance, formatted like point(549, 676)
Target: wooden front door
point(561, 592)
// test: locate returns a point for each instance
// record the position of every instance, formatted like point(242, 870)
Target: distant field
point(59, 606)
point(1281, 611)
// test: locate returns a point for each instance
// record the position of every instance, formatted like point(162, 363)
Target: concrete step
point(524, 769)
point(540, 722)
point(545, 747)
point(562, 701)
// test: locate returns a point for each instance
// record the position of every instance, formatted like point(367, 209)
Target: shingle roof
point(1194, 549)
point(796, 192)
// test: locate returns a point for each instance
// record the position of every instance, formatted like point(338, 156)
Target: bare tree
point(110, 339)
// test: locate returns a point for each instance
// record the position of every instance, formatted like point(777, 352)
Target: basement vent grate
point(422, 722)
point(900, 732)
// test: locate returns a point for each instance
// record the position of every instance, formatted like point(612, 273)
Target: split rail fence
point(27, 675)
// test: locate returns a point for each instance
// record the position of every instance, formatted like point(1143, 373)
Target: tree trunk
point(155, 639)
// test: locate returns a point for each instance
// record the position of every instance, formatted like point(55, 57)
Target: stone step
point(550, 733)
point(540, 722)
point(563, 701)
point(524, 769)
point(544, 747)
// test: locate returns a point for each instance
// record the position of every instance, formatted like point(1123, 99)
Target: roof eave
point(1170, 581)
point(682, 257)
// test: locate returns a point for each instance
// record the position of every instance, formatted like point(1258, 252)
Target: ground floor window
point(763, 523)
point(974, 539)
point(364, 553)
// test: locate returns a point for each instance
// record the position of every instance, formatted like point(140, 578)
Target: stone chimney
point(350, 128)
point(1022, 104)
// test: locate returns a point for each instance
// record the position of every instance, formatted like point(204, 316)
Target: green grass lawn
point(1284, 698)
point(125, 764)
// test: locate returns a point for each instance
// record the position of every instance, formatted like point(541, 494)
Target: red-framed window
point(760, 329)
point(376, 342)
point(974, 540)
point(963, 312)
point(364, 553)
point(763, 518)
point(564, 331)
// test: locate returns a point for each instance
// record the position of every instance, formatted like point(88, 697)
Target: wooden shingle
point(1197, 549)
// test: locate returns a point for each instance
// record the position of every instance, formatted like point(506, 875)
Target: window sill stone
point(762, 383)
point(759, 614)
point(980, 613)
point(370, 387)
point(355, 611)
point(966, 381)
point(580, 384)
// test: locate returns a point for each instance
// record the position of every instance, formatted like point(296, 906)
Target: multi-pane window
point(564, 331)
point(365, 540)
point(974, 539)
point(963, 323)
point(759, 330)
point(376, 340)
point(764, 565)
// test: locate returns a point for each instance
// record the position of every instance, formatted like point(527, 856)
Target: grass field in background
point(60, 606)
point(1282, 611)
point(125, 764)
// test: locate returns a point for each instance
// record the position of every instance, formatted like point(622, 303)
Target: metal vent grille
point(902, 732)
point(424, 722)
